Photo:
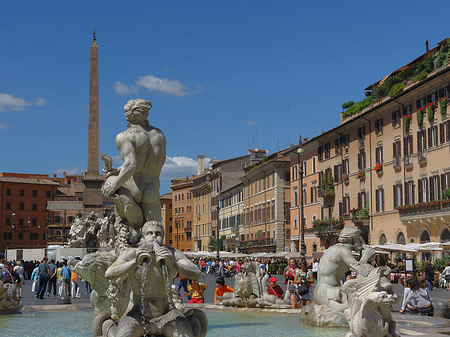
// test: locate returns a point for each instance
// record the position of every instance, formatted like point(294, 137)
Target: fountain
point(132, 282)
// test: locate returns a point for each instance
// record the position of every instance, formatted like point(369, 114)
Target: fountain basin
point(240, 322)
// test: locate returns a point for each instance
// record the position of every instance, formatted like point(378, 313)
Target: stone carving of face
point(153, 232)
point(358, 242)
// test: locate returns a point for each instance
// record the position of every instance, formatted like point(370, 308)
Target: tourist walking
point(429, 275)
point(52, 281)
point(446, 275)
point(75, 279)
point(43, 277)
point(34, 278)
point(59, 278)
point(19, 269)
point(65, 276)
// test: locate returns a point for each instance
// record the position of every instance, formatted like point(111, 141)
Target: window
point(7, 236)
point(396, 118)
point(34, 236)
point(22, 193)
point(326, 150)
point(314, 169)
point(398, 196)
point(443, 92)
point(57, 219)
point(379, 199)
point(346, 204)
point(407, 111)
point(304, 168)
point(294, 172)
point(295, 223)
point(48, 194)
point(409, 193)
point(34, 193)
point(432, 136)
point(379, 126)
point(379, 154)
point(421, 142)
point(420, 103)
point(21, 222)
point(345, 167)
point(34, 222)
point(362, 161)
point(423, 189)
point(362, 199)
point(444, 132)
point(408, 149)
point(345, 140)
point(8, 222)
point(8, 205)
point(295, 196)
point(434, 188)
point(313, 193)
point(8, 191)
point(21, 206)
point(445, 180)
point(338, 173)
point(432, 98)
point(320, 153)
point(396, 153)
point(20, 236)
point(34, 207)
point(361, 132)
point(337, 146)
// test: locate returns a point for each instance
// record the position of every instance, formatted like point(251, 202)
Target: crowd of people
point(45, 277)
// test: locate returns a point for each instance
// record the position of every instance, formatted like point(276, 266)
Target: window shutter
point(443, 184)
point(431, 189)
point(406, 193)
point(377, 155)
point(418, 104)
point(419, 143)
point(395, 196)
point(381, 154)
point(394, 150)
point(439, 187)
point(419, 184)
point(413, 192)
point(336, 178)
point(382, 199)
point(441, 133)
point(405, 146)
point(393, 118)
point(359, 161)
point(448, 130)
point(428, 99)
point(359, 200)
point(377, 200)
point(429, 138)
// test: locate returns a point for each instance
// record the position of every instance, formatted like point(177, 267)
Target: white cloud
point(176, 167)
point(122, 89)
point(4, 126)
point(170, 87)
point(250, 122)
point(9, 102)
point(70, 171)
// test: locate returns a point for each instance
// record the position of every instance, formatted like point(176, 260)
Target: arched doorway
point(382, 240)
point(401, 238)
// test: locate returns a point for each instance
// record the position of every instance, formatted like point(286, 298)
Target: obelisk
point(92, 197)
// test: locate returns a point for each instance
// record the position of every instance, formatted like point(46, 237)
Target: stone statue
point(370, 309)
point(90, 230)
point(8, 295)
point(251, 290)
point(364, 303)
point(134, 186)
point(133, 294)
point(333, 265)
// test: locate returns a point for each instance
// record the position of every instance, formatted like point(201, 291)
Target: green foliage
point(441, 263)
point(446, 193)
point(363, 213)
point(406, 123)
point(322, 226)
point(422, 75)
point(281, 267)
point(330, 178)
point(420, 118)
point(347, 105)
point(357, 107)
point(443, 106)
point(420, 265)
point(213, 242)
point(396, 89)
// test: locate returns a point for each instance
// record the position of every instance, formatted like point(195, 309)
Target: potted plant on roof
point(430, 112)
point(443, 105)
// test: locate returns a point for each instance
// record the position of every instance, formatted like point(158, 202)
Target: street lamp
point(217, 232)
point(300, 150)
point(14, 227)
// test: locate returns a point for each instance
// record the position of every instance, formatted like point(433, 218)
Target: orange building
point(166, 214)
point(23, 210)
point(182, 213)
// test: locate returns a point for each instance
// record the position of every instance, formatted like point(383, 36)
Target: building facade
point(231, 209)
point(167, 219)
point(182, 214)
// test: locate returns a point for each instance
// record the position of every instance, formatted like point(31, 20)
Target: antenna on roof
point(427, 46)
point(289, 125)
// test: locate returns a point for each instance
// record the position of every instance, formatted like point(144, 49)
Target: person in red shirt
point(274, 288)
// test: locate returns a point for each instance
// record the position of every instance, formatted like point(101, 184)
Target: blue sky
point(221, 75)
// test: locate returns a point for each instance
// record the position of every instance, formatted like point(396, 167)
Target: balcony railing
point(424, 208)
point(423, 156)
point(408, 159)
point(258, 242)
point(397, 162)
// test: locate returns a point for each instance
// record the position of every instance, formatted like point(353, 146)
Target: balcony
point(327, 227)
point(326, 192)
point(431, 212)
point(423, 156)
point(261, 242)
point(408, 160)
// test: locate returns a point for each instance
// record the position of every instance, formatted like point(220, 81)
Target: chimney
point(200, 164)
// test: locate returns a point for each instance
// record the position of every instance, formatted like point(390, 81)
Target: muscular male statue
point(134, 186)
point(336, 261)
point(144, 266)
